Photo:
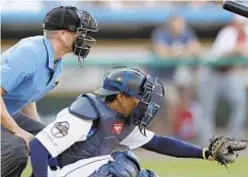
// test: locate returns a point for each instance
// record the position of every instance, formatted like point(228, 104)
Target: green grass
point(197, 168)
point(190, 168)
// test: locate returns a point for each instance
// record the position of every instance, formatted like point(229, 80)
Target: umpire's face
point(126, 104)
point(67, 38)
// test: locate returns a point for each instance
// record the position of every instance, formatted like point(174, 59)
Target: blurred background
point(198, 50)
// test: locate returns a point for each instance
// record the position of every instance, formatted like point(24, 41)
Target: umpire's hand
point(24, 135)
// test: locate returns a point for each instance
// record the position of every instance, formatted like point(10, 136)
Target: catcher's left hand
point(223, 149)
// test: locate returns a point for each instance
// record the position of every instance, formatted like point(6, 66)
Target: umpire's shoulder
point(25, 54)
point(33, 46)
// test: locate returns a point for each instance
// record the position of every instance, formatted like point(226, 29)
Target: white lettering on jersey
point(64, 132)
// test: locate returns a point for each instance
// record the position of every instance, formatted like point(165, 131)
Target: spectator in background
point(175, 40)
point(227, 81)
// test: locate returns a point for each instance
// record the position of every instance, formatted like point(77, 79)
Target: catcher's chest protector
point(111, 130)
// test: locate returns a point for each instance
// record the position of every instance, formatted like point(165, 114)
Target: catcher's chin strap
point(206, 153)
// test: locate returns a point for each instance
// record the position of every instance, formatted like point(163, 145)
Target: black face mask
point(79, 48)
point(83, 42)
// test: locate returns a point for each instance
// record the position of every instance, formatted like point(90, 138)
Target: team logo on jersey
point(117, 128)
point(60, 129)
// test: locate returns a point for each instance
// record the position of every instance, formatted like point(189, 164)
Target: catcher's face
point(126, 104)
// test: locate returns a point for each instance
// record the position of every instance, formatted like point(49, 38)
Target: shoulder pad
point(82, 107)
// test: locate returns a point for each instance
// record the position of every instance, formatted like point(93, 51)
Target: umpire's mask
point(134, 83)
point(75, 20)
point(83, 42)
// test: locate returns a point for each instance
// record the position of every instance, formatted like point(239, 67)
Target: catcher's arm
point(177, 148)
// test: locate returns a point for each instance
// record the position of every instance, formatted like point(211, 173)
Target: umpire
point(28, 71)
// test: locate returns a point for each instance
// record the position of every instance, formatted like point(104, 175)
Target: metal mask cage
point(153, 86)
point(83, 42)
point(151, 111)
point(148, 108)
point(87, 21)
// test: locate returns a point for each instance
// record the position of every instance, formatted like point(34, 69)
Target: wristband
point(205, 153)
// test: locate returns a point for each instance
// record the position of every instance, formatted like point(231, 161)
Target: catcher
point(95, 135)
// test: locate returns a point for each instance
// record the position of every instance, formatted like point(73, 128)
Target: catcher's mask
point(134, 83)
point(72, 19)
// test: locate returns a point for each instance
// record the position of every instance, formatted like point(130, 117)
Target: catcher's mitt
point(222, 149)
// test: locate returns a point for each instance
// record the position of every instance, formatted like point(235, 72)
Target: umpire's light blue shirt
point(28, 72)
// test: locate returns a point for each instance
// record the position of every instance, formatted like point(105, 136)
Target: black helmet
point(136, 84)
point(75, 20)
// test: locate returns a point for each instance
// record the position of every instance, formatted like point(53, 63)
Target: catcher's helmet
point(136, 84)
point(124, 80)
point(72, 19)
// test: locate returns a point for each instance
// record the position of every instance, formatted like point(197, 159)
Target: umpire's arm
point(31, 111)
point(6, 120)
point(16, 66)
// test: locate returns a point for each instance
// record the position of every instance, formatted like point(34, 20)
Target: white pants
point(82, 168)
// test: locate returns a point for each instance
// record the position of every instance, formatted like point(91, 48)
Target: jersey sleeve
point(64, 132)
point(136, 139)
point(17, 65)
